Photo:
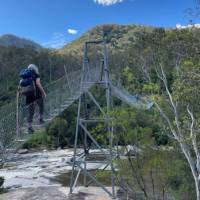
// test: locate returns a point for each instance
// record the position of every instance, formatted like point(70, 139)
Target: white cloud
point(107, 2)
point(189, 26)
point(58, 40)
point(72, 31)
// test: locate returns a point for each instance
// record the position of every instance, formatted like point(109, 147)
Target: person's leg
point(31, 110)
point(40, 103)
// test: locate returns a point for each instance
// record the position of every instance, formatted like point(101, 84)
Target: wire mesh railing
point(60, 95)
point(134, 100)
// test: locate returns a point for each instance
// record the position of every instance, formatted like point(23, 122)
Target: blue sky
point(48, 21)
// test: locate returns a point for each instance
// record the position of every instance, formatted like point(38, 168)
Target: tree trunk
point(192, 168)
point(197, 187)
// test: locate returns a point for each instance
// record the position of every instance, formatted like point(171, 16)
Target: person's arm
point(39, 85)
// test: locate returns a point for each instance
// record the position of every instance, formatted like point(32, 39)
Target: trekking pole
point(17, 113)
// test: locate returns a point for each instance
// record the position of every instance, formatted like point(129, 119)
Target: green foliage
point(101, 134)
point(54, 136)
point(57, 131)
point(133, 126)
point(150, 88)
point(39, 140)
point(161, 139)
point(128, 79)
point(186, 85)
point(157, 172)
point(104, 176)
point(69, 117)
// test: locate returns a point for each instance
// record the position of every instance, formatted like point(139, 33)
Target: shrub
point(39, 139)
point(57, 132)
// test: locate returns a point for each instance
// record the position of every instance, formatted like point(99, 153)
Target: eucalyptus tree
point(177, 96)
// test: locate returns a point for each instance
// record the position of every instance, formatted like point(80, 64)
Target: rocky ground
point(56, 193)
point(38, 169)
point(30, 176)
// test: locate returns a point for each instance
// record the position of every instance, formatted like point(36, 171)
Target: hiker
point(33, 91)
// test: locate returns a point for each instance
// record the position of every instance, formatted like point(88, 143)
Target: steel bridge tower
point(84, 121)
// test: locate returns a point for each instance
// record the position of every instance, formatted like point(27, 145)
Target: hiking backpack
point(27, 83)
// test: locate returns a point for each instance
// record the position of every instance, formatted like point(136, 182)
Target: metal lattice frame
point(61, 93)
point(80, 162)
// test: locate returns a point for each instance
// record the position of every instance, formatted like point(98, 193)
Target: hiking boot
point(41, 121)
point(31, 130)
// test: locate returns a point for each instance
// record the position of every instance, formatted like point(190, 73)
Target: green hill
point(130, 46)
point(117, 36)
point(12, 40)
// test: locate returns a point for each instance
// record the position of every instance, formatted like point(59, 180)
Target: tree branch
point(174, 104)
point(176, 137)
point(193, 137)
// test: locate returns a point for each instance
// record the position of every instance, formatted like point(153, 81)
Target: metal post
point(78, 120)
point(17, 114)
point(82, 122)
point(109, 104)
point(85, 141)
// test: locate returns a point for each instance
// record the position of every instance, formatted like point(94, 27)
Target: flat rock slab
point(56, 193)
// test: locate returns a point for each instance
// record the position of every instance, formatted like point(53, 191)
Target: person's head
point(34, 68)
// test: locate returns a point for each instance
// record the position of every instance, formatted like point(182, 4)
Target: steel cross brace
point(82, 122)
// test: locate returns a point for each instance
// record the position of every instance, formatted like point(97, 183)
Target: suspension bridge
point(60, 95)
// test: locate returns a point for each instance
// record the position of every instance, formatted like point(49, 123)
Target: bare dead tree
point(188, 148)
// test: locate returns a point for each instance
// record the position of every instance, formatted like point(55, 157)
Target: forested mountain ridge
point(130, 46)
point(115, 35)
point(12, 40)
